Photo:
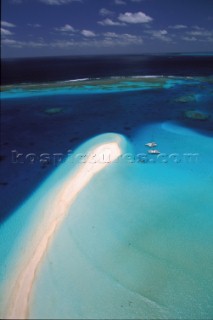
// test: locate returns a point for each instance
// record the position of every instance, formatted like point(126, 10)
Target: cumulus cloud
point(130, 38)
point(66, 28)
point(138, 17)
point(160, 35)
point(6, 24)
point(5, 32)
point(105, 12)
point(110, 22)
point(111, 34)
point(88, 33)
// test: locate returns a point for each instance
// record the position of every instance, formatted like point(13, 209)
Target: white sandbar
point(56, 209)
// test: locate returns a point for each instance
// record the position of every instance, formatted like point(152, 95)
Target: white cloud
point(130, 38)
point(21, 44)
point(124, 39)
point(178, 26)
point(88, 33)
point(159, 34)
point(35, 44)
point(120, 41)
point(105, 12)
point(58, 2)
point(110, 22)
point(111, 35)
point(109, 39)
point(66, 28)
point(189, 38)
point(196, 33)
point(5, 32)
point(138, 17)
point(7, 24)
point(197, 28)
point(11, 43)
point(120, 2)
point(126, 36)
point(200, 33)
point(8, 41)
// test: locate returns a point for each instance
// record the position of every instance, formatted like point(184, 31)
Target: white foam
point(77, 80)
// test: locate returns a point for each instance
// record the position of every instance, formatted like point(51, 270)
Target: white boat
point(153, 151)
point(151, 144)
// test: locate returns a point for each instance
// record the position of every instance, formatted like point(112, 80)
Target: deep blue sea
point(67, 68)
point(137, 242)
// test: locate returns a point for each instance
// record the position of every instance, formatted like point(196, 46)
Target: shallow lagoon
point(140, 232)
point(142, 237)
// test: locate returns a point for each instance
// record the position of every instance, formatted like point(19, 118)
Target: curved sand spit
point(19, 302)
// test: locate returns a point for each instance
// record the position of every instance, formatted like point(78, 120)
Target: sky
point(92, 27)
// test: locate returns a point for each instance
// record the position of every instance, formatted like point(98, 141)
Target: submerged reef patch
point(187, 98)
point(52, 111)
point(196, 115)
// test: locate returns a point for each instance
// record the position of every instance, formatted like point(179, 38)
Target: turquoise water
point(137, 241)
point(16, 234)
point(118, 84)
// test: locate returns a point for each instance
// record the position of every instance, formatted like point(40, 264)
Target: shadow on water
point(56, 125)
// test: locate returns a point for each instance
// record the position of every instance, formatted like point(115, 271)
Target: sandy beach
point(56, 211)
